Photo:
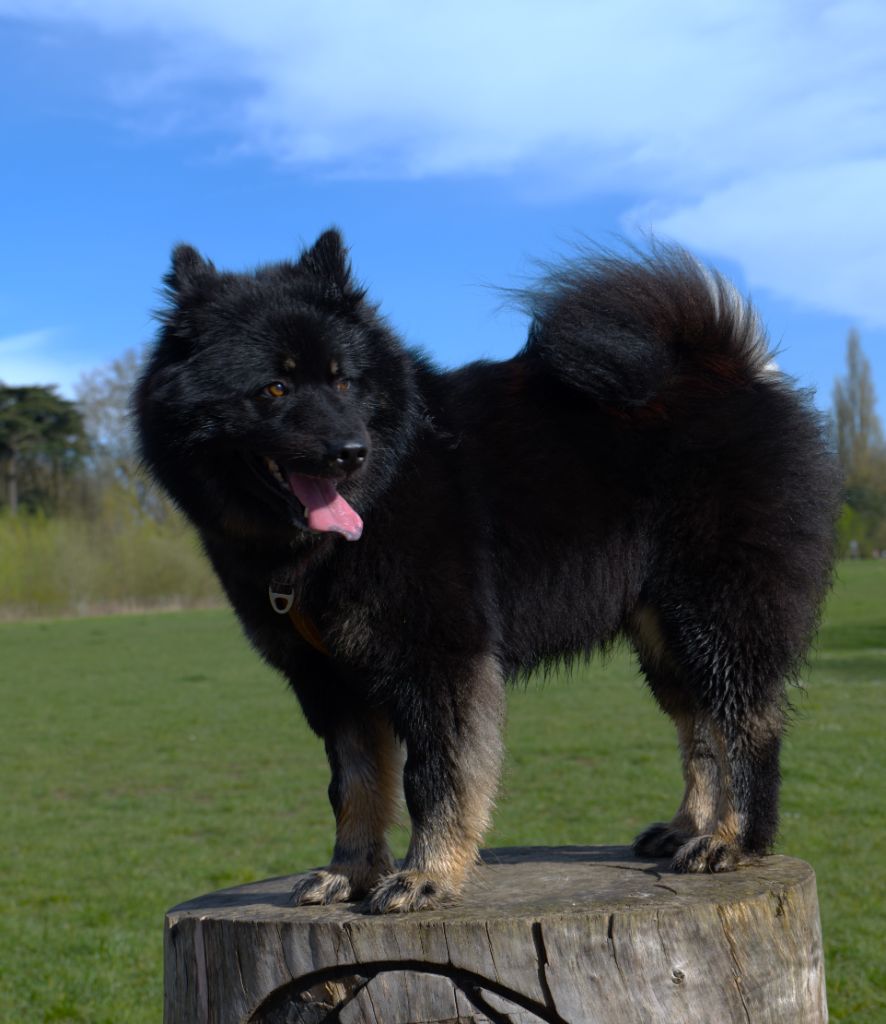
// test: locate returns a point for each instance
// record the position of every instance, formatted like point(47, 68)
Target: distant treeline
point(81, 530)
point(68, 564)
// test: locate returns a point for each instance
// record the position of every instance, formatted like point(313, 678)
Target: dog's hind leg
point(697, 813)
point(454, 749)
point(748, 747)
point(366, 763)
point(725, 691)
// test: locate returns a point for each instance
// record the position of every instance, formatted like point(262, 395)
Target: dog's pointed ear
point(328, 258)
point(188, 269)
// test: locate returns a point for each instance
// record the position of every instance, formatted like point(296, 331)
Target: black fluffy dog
point(637, 469)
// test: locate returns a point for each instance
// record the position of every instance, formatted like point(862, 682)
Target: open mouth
point(315, 500)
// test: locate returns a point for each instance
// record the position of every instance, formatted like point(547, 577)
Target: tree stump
point(588, 935)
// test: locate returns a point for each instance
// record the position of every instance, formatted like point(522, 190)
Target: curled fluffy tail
point(628, 329)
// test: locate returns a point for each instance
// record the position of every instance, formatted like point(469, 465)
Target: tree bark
point(588, 935)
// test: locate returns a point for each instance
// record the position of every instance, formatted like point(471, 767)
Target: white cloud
point(29, 341)
point(635, 93)
point(815, 236)
point(754, 128)
point(40, 357)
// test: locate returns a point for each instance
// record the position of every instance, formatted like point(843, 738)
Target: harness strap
point(282, 597)
point(308, 630)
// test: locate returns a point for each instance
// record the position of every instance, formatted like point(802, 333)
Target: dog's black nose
point(346, 455)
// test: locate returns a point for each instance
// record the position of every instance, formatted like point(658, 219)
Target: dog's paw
point(708, 853)
point(322, 886)
point(659, 840)
point(409, 890)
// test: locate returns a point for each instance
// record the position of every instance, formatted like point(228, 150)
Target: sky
point(454, 144)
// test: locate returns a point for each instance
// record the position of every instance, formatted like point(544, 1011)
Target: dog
point(401, 541)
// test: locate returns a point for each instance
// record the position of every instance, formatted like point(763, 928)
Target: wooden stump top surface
point(558, 935)
point(525, 882)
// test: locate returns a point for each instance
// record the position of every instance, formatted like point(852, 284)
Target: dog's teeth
point(274, 470)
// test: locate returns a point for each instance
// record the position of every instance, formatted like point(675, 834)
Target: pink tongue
point(328, 512)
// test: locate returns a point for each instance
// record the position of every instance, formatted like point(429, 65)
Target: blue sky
point(453, 143)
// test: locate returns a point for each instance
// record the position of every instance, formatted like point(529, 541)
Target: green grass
point(149, 758)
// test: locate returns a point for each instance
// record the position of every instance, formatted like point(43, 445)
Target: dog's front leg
point(366, 762)
point(453, 742)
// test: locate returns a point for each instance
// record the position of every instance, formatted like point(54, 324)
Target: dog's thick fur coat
point(638, 469)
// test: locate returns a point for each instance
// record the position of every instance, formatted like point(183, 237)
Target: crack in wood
point(202, 980)
point(737, 974)
point(283, 957)
point(610, 935)
point(240, 972)
point(667, 888)
point(475, 997)
point(541, 958)
point(468, 982)
point(491, 950)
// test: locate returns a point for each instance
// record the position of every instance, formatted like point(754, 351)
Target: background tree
point(103, 399)
point(42, 443)
point(117, 482)
point(862, 451)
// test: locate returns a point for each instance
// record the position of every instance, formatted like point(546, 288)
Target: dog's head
point(274, 399)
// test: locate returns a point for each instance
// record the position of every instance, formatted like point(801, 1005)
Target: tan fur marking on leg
point(370, 772)
point(728, 826)
point(450, 844)
point(371, 764)
point(370, 782)
point(730, 823)
point(725, 806)
point(697, 813)
point(768, 724)
point(649, 636)
point(716, 849)
point(444, 850)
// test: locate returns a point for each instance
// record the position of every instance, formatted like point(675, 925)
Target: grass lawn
point(149, 758)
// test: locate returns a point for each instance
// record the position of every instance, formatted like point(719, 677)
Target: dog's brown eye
point(276, 389)
point(341, 384)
